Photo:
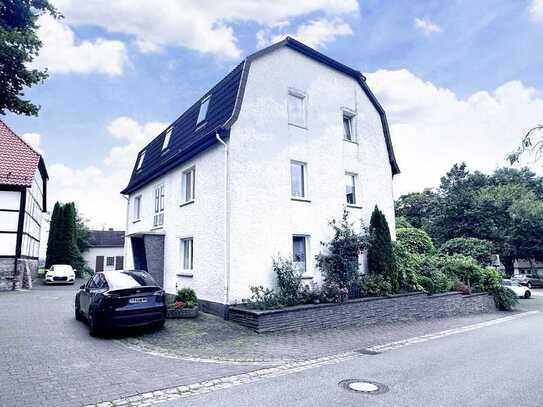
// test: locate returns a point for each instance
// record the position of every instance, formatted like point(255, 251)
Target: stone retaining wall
point(26, 273)
point(364, 311)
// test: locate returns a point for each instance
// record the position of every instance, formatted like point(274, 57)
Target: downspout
point(225, 231)
point(125, 252)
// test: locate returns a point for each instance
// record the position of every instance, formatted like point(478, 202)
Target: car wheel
point(78, 315)
point(94, 328)
point(527, 294)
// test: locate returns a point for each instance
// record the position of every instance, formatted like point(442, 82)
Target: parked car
point(60, 274)
point(519, 290)
point(120, 299)
point(529, 280)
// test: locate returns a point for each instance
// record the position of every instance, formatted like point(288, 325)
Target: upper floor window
point(187, 186)
point(203, 110)
point(297, 108)
point(158, 218)
point(137, 208)
point(349, 126)
point(140, 160)
point(167, 137)
point(297, 179)
point(350, 188)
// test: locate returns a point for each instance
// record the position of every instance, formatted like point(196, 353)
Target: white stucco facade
point(233, 245)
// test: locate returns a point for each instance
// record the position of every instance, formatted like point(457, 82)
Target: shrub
point(311, 293)
point(289, 280)
point(434, 282)
point(492, 279)
point(402, 222)
point(504, 298)
point(416, 241)
point(407, 265)
point(339, 265)
point(460, 286)
point(187, 297)
point(374, 285)
point(463, 268)
point(333, 292)
point(480, 250)
point(263, 298)
point(380, 255)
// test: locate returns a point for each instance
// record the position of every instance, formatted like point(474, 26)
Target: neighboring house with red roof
point(23, 198)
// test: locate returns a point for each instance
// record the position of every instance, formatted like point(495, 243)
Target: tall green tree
point(417, 208)
point(380, 255)
point(52, 246)
point(19, 45)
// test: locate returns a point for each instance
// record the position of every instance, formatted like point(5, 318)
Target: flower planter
point(175, 313)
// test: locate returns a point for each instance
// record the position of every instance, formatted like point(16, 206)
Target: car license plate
point(137, 300)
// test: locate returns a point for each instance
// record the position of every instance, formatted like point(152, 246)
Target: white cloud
point(204, 26)
point(316, 33)
point(34, 140)
point(432, 128)
point(96, 189)
point(536, 11)
point(61, 53)
point(426, 26)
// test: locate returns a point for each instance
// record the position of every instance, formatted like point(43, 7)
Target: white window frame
point(137, 208)
point(192, 171)
point(294, 93)
point(158, 200)
point(304, 196)
point(351, 117)
point(354, 178)
point(140, 160)
point(204, 108)
point(183, 259)
point(167, 139)
point(305, 269)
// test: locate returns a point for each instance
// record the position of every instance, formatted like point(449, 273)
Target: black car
point(119, 299)
point(530, 280)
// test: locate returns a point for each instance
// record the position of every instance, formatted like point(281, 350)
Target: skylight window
point(203, 110)
point(140, 161)
point(166, 142)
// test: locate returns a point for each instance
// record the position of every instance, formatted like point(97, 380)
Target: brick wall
point(364, 311)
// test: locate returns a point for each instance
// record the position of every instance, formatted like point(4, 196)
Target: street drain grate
point(363, 386)
point(367, 352)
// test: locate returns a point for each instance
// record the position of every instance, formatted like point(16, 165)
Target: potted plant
point(185, 304)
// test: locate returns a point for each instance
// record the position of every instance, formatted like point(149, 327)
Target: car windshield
point(507, 282)
point(129, 279)
point(62, 267)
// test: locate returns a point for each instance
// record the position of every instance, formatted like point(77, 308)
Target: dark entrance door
point(99, 263)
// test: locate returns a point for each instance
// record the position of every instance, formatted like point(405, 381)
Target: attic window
point(166, 142)
point(203, 110)
point(140, 161)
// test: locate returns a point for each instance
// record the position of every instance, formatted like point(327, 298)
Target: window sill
point(136, 221)
point(350, 141)
point(300, 126)
point(299, 198)
point(186, 203)
point(185, 274)
point(307, 277)
point(157, 227)
point(354, 206)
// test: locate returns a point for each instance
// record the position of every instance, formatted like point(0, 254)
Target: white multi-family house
point(258, 167)
point(23, 186)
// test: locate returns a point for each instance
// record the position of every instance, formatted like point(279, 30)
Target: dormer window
point(167, 137)
point(140, 161)
point(203, 110)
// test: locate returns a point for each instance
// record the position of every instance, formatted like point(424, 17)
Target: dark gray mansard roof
point(106, 238)
point(187, 139)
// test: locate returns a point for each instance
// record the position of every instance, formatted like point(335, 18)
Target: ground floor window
point(187, 253)
point(299, 252)
point(110, 261)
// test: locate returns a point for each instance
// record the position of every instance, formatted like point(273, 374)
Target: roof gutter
point(226, 223)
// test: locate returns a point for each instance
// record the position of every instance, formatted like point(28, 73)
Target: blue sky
point(447, 72)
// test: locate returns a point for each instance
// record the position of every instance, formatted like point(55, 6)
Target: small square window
point(140, 160)
point(187, 187)
point(187, 254)
point(299, 253)
point(297, 179)
point(297, 108)
point(203, 110)
point(137, 207)
point(110, 261)
point(349, 127)
point(350, 188)
point(167, 137)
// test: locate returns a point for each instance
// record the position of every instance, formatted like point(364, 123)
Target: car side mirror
point(82, 287)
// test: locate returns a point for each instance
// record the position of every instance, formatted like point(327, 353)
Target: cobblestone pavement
point(47, 358)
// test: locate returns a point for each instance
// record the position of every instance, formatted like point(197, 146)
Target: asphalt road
point(499, 365)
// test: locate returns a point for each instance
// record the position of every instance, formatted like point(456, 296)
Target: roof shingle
point(106, 238)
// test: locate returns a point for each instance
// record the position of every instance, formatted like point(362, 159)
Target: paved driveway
point(47, 358)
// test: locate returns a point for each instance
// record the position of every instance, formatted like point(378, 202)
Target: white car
point(60, 274)
point(519, 290)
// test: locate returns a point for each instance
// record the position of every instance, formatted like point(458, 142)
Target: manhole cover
point(363, 386)
point(367, 352)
